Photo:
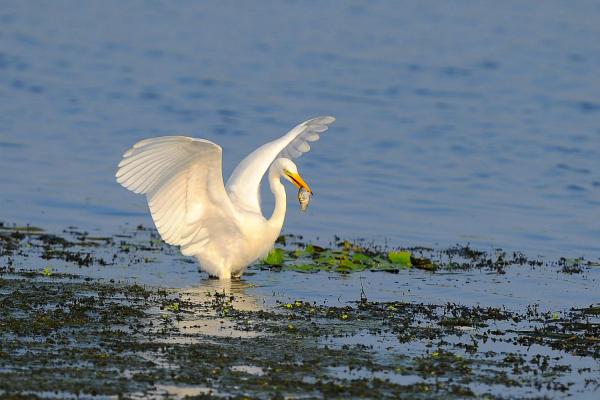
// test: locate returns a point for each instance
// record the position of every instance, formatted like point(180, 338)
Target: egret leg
point(224, 271)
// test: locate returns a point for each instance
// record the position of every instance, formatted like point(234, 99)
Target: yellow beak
point(298, 181)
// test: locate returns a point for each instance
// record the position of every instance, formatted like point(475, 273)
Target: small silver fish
point(304, 198)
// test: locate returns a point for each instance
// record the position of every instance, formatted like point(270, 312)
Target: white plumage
point(223, 227)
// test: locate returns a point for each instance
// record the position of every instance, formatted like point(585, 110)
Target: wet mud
point(75, 323)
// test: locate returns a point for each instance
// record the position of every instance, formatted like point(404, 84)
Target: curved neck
point(278, 190)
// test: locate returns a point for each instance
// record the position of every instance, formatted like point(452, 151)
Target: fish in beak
point(298, 181)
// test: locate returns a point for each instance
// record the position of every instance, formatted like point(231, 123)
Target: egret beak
point(298, 181)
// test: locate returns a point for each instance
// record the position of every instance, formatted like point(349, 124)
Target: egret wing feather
point(183, 183)
point(243, 185)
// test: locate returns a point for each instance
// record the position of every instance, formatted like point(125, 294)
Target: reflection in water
point(248, 369)
point(180, 392)
point(211, 302)
point(235, 289)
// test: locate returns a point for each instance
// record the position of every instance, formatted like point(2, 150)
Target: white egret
point(221, 226)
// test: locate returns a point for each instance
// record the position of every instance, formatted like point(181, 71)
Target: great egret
point(222, 226)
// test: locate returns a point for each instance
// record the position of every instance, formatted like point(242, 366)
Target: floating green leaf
point(400, 257)
point(349, 266)
point(275, 257)
point(304, 268)
point(361, 258)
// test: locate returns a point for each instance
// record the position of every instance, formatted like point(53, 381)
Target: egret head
point(287, 169)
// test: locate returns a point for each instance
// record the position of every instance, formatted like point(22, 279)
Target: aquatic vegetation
point(91, 330)
point(275, 257)
point(87, 336)
point(343, 257)
point(290, 253)
point(400, 257)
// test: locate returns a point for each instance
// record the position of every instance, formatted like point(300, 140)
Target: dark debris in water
point(68, 334)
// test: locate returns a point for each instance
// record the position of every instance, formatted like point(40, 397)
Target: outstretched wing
point(183, 183)
point(244, 184)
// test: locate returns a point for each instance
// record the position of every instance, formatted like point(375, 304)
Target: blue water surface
point(458, 122)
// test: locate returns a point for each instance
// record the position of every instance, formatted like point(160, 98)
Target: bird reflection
point(211, 308)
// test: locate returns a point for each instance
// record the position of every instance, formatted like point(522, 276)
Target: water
point(391, 327)
point(457, 122)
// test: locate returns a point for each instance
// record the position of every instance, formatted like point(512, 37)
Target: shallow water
point(457, 122)
point(131, 304)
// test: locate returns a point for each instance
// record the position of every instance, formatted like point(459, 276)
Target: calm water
point(457, 122)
